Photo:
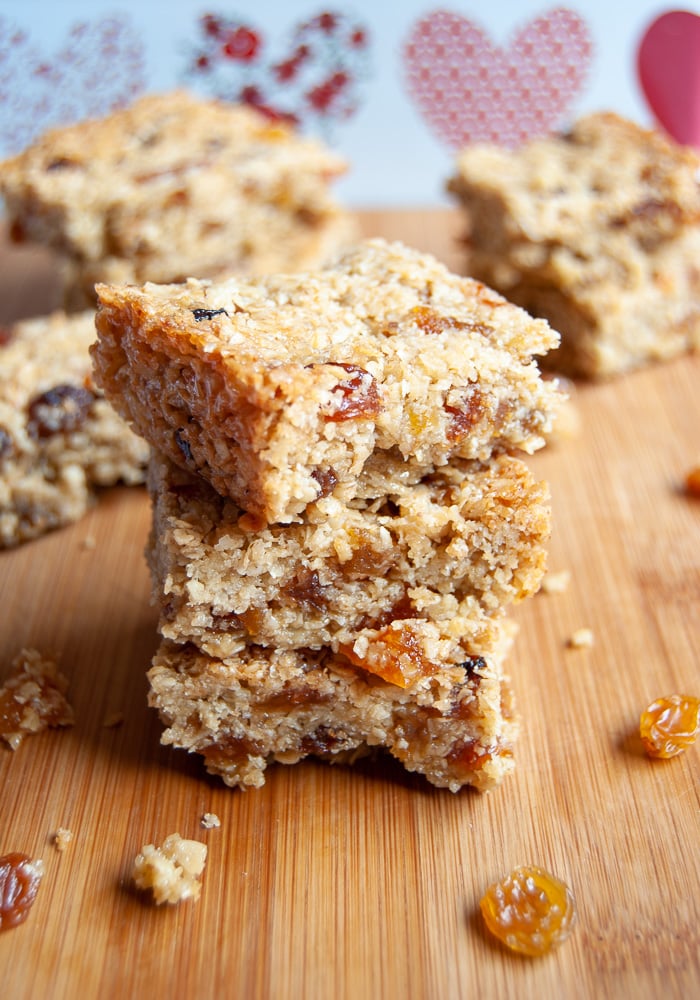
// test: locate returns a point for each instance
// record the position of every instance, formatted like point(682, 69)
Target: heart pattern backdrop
point(469, 89)
point(98, 67)
point(317, 72)
point(314, 79)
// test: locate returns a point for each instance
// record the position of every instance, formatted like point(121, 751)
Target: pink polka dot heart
point(469, 89)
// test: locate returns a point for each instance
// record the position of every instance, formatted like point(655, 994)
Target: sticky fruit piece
point(19, 884)
point(60, 410)
point(395, 654)
point(529, 911)
point(692, 481)
point(356, 395)
point(670, 725)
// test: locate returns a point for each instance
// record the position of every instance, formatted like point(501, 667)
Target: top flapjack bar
point(173, 186)
point(284, 389)
point(597, 230)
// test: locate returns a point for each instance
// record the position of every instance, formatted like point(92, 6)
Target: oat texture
point(59, 438)
point(441, 555)
point(32, 697)
point(598, 230)
point(455, 727)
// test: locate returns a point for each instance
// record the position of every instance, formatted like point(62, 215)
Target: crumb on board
point(112, 720)
point(210, 821)
point(172, 871)
point(62, 838)
point(582, 638)
point(89, 543)
point(556, 583)
point(32, 697)
point(567, 422)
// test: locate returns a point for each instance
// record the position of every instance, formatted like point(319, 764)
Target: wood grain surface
point(332, 882)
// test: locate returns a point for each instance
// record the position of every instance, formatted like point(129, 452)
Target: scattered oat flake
point(113, 720)
point(32, 697)
point(171, 872)
point(19, 883)
point(210, 821)
point(581, 638)
point(62, 838)
point(692, 481)
point(556, 583)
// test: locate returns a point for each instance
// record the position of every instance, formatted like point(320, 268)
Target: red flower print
point(326, 21)
point(241, 44)
point(251, 95)
point(322, 96)
point(255, 98)
point(286, 70)
point(315, 80)
point(211, 25)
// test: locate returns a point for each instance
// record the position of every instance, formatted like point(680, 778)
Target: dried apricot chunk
point(432, 322)
point(463, 418)
point(19, 884)
point(355, 396)
point(327, 480)
point(529, 911)
point(394, 653)
point(692, 481)
point(306, 589)
point(669, 725)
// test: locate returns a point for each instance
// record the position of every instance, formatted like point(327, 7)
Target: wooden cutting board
point(333, 882)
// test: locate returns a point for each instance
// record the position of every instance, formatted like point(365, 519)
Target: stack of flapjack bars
point(341, 511)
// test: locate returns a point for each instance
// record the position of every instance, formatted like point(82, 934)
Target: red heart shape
point(98, 68)
point(668, 65)
point(470, 90)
